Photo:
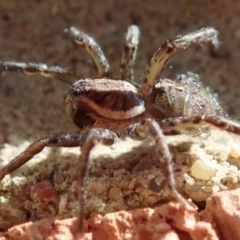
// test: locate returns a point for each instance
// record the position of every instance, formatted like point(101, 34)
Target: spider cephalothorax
point(104, 108)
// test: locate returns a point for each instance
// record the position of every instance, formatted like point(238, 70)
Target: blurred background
point(33, 30)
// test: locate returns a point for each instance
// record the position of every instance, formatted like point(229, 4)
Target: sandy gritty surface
point(31, 107)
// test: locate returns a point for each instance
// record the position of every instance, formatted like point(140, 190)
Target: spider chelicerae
point(105, 109)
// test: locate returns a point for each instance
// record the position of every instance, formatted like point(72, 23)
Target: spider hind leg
point(129, 53)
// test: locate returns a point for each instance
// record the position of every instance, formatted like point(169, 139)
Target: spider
point(105, 109)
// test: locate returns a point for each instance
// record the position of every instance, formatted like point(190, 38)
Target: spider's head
point(91, 101)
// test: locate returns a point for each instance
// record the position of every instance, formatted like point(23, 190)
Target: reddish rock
point(170, 221)
point(223, 212)
point(219, 220)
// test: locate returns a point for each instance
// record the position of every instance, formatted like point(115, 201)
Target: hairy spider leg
point(163, 54)
point(104, 136)
point(182, 124)
point(61, 140)
point(151, 127)
point(129, 53)
point(55, 72)
point(93, 48)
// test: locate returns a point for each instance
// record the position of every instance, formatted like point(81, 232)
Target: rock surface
point(125, 176)
point(219, 221)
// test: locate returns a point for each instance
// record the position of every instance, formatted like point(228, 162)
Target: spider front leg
point(94, 50)
point(104, 136)
point(55, 72)
point(62, 140)
point(163, 54)
point(150, 126)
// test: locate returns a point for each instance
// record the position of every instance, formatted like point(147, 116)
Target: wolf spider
point(105, 109)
